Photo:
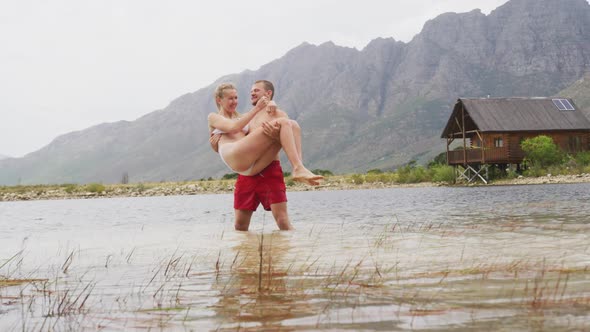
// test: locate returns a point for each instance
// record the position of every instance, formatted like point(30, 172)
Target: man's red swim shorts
point(267, 187)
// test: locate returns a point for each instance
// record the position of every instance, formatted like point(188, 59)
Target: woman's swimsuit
point(216, 131)
point(246, 129)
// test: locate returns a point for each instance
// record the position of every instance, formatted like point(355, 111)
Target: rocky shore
point(28, 193)
point(548, 179)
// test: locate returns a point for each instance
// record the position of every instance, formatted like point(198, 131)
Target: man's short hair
point(267, 86)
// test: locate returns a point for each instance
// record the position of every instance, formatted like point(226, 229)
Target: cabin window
point(498, 142)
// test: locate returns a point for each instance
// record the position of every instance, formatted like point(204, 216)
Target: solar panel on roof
point(563, 105)
point(559, 104)
point(568, 105)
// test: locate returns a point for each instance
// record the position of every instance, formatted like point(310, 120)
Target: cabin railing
point(480, 156)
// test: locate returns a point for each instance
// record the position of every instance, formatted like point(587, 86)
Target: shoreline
point(211, 187)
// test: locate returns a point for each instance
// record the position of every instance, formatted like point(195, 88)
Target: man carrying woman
point(246, 145)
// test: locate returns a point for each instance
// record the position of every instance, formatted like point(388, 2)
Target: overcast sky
point(66, 65)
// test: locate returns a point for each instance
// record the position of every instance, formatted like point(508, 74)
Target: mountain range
point(379, 107)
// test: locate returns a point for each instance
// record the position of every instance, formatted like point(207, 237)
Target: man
point(267, 187)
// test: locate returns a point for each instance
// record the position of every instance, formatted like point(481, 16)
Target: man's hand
point(272, 129)
point(214, 141)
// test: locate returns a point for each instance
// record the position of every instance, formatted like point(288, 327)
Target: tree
point(125, 178)
point(541, 151)
point(440, 159)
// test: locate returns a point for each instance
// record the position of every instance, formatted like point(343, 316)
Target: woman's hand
point(261, 103)
point(271, 108)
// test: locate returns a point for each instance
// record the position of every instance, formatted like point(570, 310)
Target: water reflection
point(490, 258)
point(255, 292)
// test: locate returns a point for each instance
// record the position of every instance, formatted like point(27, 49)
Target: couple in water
point(249, 151)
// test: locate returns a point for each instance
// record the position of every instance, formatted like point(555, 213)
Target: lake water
point(479, 258)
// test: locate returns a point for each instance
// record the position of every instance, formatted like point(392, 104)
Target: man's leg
point(245, 201)
point(243, 218)
point(279, 212)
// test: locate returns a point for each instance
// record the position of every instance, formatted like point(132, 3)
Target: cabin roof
point(517, 114)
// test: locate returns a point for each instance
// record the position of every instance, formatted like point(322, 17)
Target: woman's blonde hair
point(219, 94)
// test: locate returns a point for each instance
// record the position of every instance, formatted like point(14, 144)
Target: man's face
point(257, 92)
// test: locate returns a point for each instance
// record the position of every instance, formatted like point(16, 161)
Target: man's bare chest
point(259, 119)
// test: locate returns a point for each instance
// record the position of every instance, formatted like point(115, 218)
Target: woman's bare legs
point(268, 156)
point(241, 154)
point(271, 153)
point(288, 142)
point(254, 148)
point(297, 137)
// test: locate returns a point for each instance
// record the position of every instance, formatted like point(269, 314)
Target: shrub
point(419, 174)
point(440, 159)
point(443, 173)
point(140, 187)
point(388, 177)
point(409, 174)
point(380, 177)
point(403, 173)
point(374, 171)
point(371, 178)
point(230, 176)
point(535, 172)
point(541, 151)
point(357, 179)
point(512, 174)
point(494, 173)
point(70, 188)
point(383, 177)
point(557, 170)
point(583, 158)
point(323, 172)
point(95, 187)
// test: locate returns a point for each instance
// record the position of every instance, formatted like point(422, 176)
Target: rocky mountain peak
point(375, 108)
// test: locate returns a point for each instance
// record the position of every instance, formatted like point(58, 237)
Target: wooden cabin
point(490, 130)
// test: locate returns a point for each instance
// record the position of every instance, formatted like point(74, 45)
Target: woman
point(248, 155)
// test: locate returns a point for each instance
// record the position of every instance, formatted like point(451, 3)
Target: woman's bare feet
point(304, 175)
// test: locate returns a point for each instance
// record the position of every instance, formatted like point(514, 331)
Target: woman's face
point(229, 100)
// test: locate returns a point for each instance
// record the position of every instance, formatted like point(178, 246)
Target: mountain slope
point(580, 93)
point(379, 107)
